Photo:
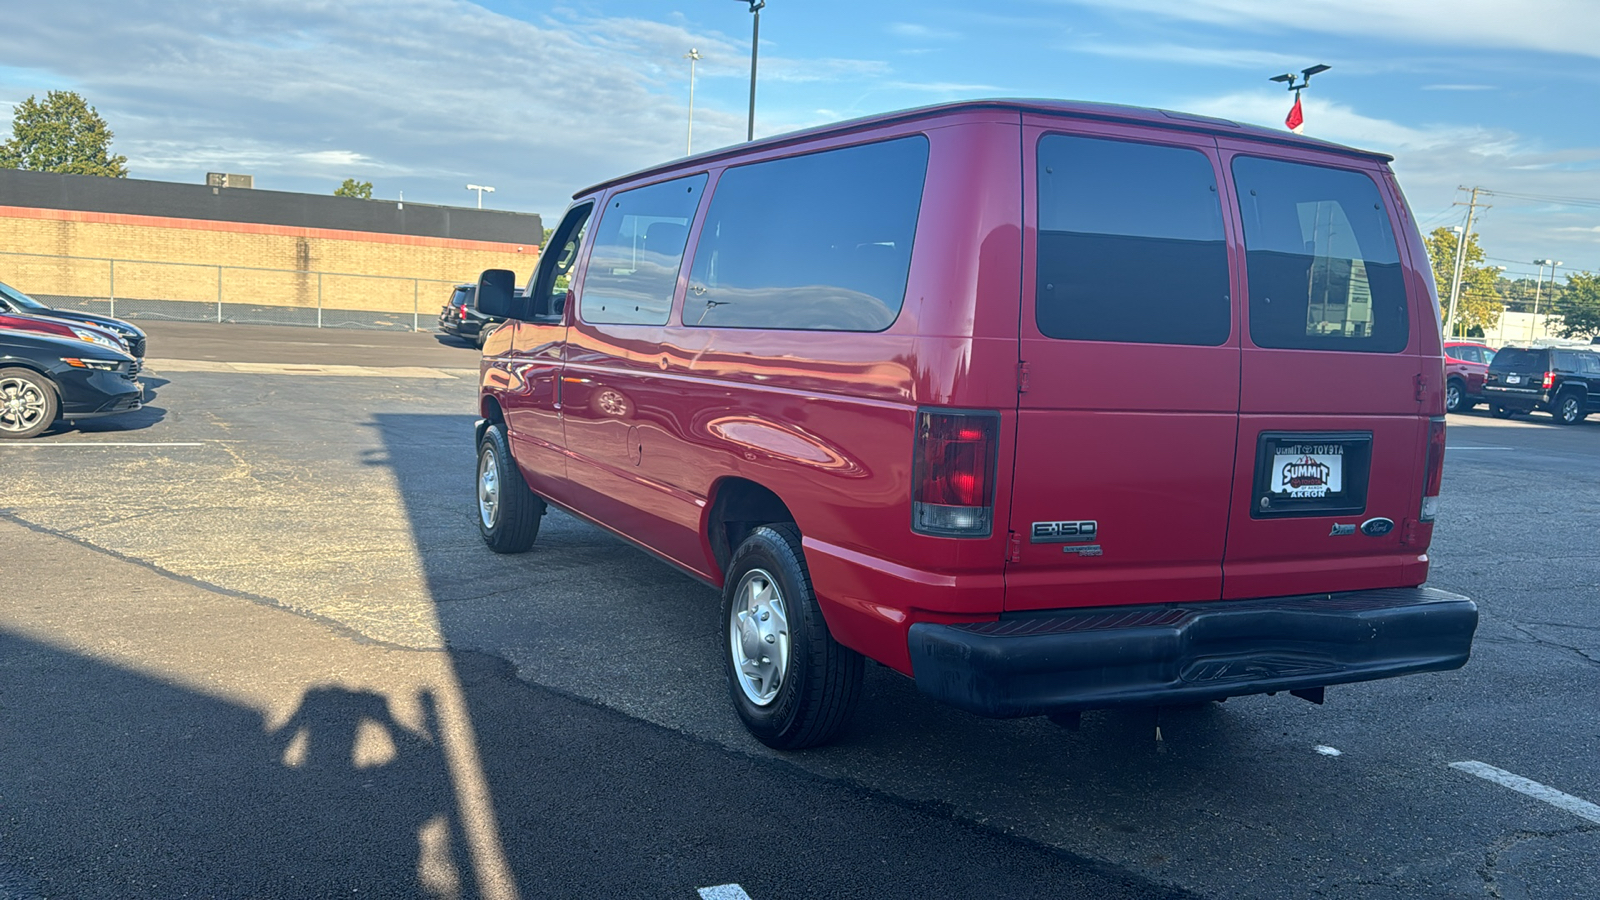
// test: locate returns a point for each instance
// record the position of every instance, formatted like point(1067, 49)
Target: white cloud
point(1433, 161)
point(1562, 26)
point(1179, 54)
point(413, 95)
point(921, 32)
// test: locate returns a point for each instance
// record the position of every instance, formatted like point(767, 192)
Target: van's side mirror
point(497, 289)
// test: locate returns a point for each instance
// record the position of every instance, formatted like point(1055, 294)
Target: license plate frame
point(1308, 473)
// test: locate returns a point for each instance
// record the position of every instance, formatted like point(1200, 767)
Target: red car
point(66, 328)
point(1050, 407)
point(1465, 367)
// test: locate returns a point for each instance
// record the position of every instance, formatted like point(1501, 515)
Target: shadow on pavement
point(137, 787)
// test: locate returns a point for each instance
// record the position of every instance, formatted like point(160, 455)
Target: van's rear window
point(1321, 259)
point(820, 242)
point(1131, 244)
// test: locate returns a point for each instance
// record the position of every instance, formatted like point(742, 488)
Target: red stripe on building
point(408, 240)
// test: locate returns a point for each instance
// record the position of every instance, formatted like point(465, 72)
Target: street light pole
point(755, 44)
point(481, 189)
point(693, 56)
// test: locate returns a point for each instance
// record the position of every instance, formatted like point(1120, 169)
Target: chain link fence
point(195, 292)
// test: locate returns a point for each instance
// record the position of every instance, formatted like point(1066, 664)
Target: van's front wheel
point(792, 684)
point(508, 512)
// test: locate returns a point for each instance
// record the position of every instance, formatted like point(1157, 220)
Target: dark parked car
point(460, 316)
point(1563, 383)
point(1465, 367)
point(45, 378)
point(15, 301)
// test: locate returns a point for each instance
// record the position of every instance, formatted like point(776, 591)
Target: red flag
point(1296, 118)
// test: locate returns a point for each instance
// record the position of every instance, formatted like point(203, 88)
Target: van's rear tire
point(1455, 395)
point(508, 512)
point(791, 683)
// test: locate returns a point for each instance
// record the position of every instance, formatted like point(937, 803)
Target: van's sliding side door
point(1130, 339)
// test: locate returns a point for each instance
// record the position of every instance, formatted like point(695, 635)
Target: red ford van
point(1049, 406)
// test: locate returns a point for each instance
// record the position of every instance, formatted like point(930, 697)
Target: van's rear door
point(1333, 422)
point(1129, 344)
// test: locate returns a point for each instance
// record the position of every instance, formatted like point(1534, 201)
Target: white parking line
point(158, 366)
point(1578, 807)
point(723, 892)
point(1450, 449)
point(103, 444)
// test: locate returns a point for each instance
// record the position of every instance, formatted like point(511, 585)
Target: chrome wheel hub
point(488, 487)
point(758, 636)
point(22, 405)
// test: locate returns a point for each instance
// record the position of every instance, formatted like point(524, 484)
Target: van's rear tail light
point(952, 475)
point(1435, 472)
point(1549, 380)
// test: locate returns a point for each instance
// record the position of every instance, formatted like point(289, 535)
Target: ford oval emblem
point(1377, 527)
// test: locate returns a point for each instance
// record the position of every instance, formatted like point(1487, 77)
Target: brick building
point(150, 249)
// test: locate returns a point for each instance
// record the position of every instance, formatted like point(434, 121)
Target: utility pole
point(1461, 257)
point(1537, 284)
point(693, 56)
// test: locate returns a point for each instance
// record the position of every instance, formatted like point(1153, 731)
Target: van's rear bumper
point(1080, 659)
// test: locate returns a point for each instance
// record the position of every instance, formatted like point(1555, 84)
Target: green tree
point(361, 190)
point(1479, 304)
point(1579, 306)
point(62, 134)
point(546, 240)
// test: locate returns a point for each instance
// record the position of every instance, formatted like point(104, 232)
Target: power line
point(1546, 198)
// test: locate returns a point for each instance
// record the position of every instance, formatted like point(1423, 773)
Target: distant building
point(217, 251)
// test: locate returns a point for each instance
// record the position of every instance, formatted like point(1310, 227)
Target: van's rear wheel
point(792, 684)
point(1453, 395)
point(508, 512)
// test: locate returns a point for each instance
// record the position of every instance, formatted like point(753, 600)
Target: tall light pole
point(693, 56)
point(755, 43)
point(1538, 283)
point(481, 189)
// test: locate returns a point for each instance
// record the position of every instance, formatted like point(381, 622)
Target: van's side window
point(1131, 244)
point(817, 242)
point(1321, 259)
point(638, 249)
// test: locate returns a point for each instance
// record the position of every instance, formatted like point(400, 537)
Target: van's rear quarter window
point(1131, 244)
point(819, 242)
point(1321, 259)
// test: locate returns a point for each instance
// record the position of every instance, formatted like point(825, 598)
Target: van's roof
point(1104, 112)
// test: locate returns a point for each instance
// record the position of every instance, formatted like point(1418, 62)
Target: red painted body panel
point(637, 427)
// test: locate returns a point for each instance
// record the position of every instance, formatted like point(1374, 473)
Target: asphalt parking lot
point(252, 645)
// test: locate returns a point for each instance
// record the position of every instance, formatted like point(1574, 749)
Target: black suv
point(460, 316)
point(1563, 383)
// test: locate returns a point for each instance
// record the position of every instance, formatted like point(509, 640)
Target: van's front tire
point(791, 683)
point(508, 512)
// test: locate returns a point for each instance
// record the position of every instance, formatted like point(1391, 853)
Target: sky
point(541, 99)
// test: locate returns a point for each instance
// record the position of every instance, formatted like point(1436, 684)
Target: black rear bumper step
point(1072, 660)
